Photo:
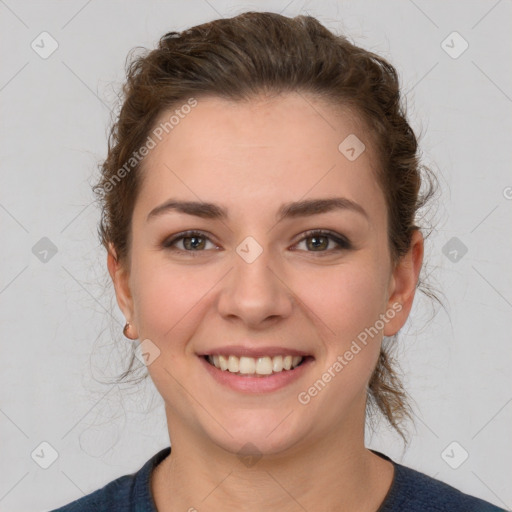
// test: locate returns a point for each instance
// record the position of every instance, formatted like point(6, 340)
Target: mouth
point(264, 366)
point(256, 369)
point(255, 366)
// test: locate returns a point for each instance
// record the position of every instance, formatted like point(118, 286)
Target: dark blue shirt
point(410, 491)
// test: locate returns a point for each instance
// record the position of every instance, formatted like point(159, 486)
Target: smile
point(256, 375)
point(265, 365)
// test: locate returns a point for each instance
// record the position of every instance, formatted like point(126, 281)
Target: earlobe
point(120, 278)
point(403, 284)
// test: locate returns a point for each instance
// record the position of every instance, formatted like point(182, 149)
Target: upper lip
point(240, 351)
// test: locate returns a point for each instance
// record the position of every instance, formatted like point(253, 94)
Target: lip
point(260, 351)
point(261, 384)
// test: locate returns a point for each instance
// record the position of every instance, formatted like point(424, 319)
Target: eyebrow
point(302, 208)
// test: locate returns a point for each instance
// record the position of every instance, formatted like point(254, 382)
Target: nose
point(255, 293)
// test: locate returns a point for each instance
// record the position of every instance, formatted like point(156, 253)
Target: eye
point(191, 242)
point(321, 241)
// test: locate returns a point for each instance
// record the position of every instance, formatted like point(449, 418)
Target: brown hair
point(238, 59)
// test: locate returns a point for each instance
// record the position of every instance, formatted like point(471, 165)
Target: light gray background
point(54, 315)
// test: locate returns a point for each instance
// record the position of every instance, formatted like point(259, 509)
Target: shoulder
point(414, 491)
point(115, 496)
point(125, 494)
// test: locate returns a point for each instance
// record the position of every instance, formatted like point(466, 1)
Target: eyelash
point(342, 242)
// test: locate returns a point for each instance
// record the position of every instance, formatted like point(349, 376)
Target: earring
point(125, 330)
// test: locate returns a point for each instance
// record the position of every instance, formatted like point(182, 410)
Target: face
point(285, 253)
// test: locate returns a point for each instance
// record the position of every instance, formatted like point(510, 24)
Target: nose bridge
point(254, 291)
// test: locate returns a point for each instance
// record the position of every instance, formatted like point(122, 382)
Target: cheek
point(167, 300)
point(346, 299)
point(348, 303)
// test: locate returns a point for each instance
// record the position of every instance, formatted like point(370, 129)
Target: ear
point(402, 285)
point(120, 277)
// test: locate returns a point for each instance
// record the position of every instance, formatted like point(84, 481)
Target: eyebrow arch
point(302, 208)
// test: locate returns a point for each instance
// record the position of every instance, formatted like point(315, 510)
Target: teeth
point(255, 366)
point(277, 363)
point(264, 366)
point(246, 365)
point(223, 362)
point(233, 364)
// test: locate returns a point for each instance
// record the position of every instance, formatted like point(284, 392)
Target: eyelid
point(169, 242)
point(343, 243)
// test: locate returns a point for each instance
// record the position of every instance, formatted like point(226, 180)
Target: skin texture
point(251, 157)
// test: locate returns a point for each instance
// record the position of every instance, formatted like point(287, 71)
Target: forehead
point(261, 153)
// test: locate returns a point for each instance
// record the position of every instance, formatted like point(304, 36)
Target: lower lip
point(263, 384)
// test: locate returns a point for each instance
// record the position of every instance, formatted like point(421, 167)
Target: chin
point(257, 433)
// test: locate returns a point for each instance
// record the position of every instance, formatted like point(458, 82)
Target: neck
point(331, 473)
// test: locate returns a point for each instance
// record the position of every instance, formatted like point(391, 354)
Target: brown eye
point(317, 242)
point(325, 242)
point(188, 241)
point(193, 242)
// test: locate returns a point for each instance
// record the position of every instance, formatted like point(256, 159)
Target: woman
point(259, 202)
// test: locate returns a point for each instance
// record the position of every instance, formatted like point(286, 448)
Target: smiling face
point(255, 279)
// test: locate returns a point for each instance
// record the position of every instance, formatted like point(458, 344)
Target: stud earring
point(125, 330)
